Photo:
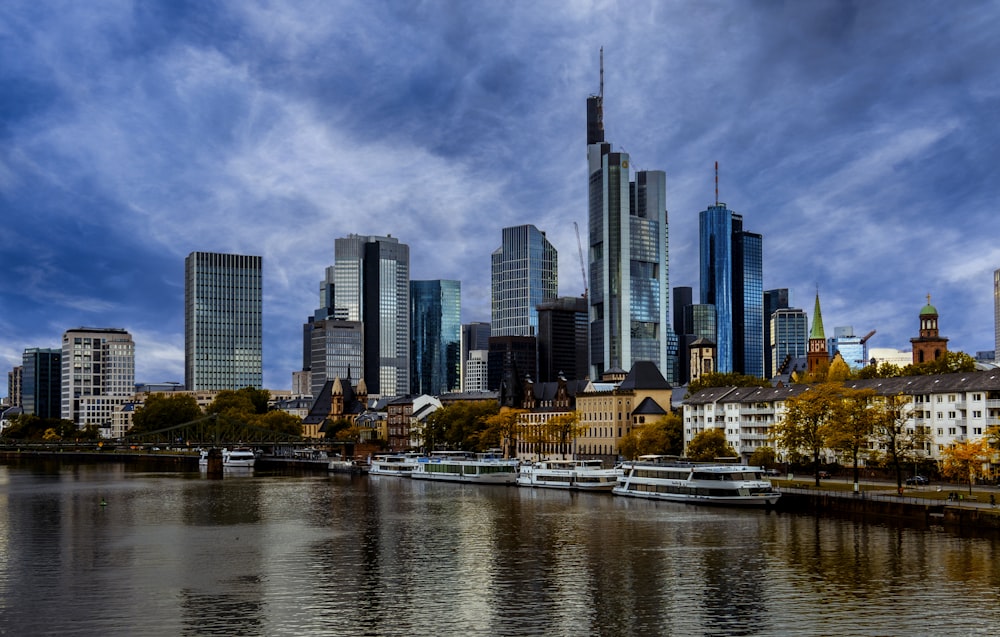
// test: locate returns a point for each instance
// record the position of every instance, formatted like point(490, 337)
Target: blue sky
point(860, 138)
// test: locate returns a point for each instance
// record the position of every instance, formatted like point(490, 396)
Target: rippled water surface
point(109, 550)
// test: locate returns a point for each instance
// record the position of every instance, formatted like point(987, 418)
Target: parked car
point(824, 474)
point(917, 480)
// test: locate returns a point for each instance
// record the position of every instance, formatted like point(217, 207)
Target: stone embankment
point(975, 512)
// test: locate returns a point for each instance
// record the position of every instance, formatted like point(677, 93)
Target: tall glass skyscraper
point(629, 276)
point(524, 272)
point(371, 284)
point(436, 326)
point(789, 337)
point(223, 328)
point(41, 374)
point(732, 280)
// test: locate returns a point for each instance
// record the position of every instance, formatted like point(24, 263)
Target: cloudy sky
point(860, 138)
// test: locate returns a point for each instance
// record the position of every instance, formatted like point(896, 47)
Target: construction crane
point(864, 339)
point(583, 264)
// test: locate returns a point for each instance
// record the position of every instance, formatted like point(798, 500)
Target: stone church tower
point(930, 345)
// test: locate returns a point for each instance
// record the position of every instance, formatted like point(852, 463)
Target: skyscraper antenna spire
point(716, 183)
point(602, 74)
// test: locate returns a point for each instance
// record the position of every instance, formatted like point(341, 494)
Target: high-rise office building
point(732, 280)
point(370, 283)
point(628, 246)
point(15, 383)
point(774, 300)
point(996, 315)
point(436, 328)
point(524, 272)
point(41, 382)
point(788, 340)
point(850, 346)
point(223, 326)
point(562, 339)
point(98, 375)
point(475, 337)
point(336, 349)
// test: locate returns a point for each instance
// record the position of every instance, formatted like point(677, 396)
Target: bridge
point(208, 431)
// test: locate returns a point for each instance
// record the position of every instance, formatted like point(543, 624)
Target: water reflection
point(181, 554)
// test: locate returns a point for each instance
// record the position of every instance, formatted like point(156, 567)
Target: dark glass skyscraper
point(41, 371)
point(436, 328)
point(371, 284)
point(562, 339)
point(732, 280)
point(629, 276)
point(223, 331)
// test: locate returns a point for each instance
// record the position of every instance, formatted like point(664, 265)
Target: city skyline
point(862, 150)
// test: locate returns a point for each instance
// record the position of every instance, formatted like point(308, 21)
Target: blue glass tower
point(436, 329)
point(524, 273)
point(732, 280)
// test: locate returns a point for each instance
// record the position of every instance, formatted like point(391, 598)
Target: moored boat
point(726, 484)
point(578, 475)
point(239, 457)
point(460, 466)
point(393, 464)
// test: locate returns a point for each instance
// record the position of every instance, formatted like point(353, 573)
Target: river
point(110, 549)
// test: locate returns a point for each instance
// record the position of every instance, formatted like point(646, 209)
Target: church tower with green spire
point(817, 356)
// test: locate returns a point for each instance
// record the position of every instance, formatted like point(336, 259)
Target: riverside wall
point(923, 512)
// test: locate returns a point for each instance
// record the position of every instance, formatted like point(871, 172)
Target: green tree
point(765, 457)
point(728, 379)
point(459, 426)
point(663, 437)
point(280, 421)
point(805, 427)
point(964, 460)
point(232, 403)
point(260, 398)
point(947, 363)
point(335, 429)
point(883, 370)
point(160, 411)
point(708, 445)
point(850, 428)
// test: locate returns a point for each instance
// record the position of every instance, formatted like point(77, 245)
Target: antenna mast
point(716, 183)
point(602, 74)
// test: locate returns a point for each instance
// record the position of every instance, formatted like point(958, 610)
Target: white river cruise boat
point(232, 458)
point(579, 475)
point(726, 484)
point(461, 466)
point(394, 464)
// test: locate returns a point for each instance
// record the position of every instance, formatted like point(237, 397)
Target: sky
point(861, 139)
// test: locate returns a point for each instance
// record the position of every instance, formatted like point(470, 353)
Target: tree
point(336, 429)
point(805, 427)
point(728, 379)
point(665, 437)
point(763, 457)
point(501, 431)
point(850, 428)
point(260, 398)
point(160, 411)
point(709, 445)
point(458, 426)
point(883, 370)
point(280, 421)
point(964, 460)
point(947, 363)
point(839, 371)
point(890, 433)
point(562, 430)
